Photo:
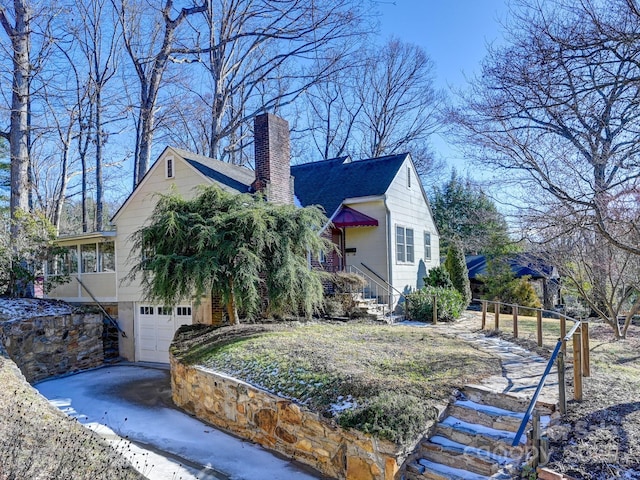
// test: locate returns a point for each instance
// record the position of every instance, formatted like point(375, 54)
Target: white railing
point(376, 289)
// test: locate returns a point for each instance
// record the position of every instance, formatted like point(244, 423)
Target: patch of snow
point(20, 308)
point(342, 404)
point(454, 422)
point(488, 409)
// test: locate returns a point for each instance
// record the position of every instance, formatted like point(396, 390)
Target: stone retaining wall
point(282, 425)
point(47, 346)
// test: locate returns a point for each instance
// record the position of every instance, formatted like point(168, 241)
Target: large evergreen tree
point(463, 213)
point(237, 246)
point(456, 265)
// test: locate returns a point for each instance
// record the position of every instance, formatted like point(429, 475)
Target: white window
point(97, 257)
point(427, 246)
point(165, 311)
point(181, 311)
point(88, 258)
point(404, 245)
point(146, 310)
point(64, 262)
point(106, 257)
point(169, 164)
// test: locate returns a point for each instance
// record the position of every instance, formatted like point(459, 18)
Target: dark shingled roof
point(329, 182)
point(521, 265)
point(235, 177)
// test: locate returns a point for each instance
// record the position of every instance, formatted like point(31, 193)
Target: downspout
point(389, 255)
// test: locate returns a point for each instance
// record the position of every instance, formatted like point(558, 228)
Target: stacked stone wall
point(282, 425)
point(43, 347)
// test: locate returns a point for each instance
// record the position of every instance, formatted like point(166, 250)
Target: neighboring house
point(381, 222)
point(544, 277)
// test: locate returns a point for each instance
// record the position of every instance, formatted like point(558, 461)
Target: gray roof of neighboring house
point(521, 265)
point(329, 182)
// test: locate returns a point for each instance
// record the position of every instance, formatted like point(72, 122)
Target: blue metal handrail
point(534, 399)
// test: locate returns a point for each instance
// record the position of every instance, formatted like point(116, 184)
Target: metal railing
point(579, 333)
point(104, 312)
point(377, 289)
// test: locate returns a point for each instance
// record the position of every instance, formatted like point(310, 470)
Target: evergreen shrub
point(450, 304)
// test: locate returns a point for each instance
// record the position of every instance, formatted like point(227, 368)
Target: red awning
point(348, 217)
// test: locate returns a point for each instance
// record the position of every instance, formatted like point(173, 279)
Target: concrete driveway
point(132, 402)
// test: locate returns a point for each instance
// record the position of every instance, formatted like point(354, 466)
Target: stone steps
point(499, 441)
point(473, 441)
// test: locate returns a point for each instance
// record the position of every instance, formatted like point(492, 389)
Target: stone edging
point(282, 425)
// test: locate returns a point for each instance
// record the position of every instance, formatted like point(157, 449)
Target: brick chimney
point(272, 158)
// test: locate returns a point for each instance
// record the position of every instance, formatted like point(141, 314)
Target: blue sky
point(454, 33)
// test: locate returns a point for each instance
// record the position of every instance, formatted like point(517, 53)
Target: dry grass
point(39, 442)
point(380, 371)
point(528, 328)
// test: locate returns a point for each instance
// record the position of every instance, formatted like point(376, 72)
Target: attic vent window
point(170, 167)
point(408, 177)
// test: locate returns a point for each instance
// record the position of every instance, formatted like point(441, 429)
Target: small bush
point(393, 416)
point(508, 289)
point(450, 304)
point(344, 282)
point(438, 277)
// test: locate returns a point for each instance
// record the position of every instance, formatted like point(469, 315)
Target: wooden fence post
point(563, 333)
point(539, 326)
point(484, 314)
point(535, 438)
point(577, 366)
point(562, 384)
point(435, 310)
point(496, 318)
point(515, 321)
point(586, 367)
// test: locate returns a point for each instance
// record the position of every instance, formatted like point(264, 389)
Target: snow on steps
point(474, 441)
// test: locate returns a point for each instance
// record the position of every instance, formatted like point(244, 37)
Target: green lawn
point(390, 377)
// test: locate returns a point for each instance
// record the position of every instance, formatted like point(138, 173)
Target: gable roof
point(233, 176)
point(329, 182)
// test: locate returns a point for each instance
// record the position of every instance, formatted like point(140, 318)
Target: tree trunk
point(99, 190)
point(18, 130)
point(232, 308)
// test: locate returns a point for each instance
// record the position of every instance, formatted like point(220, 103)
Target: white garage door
point(156, 327)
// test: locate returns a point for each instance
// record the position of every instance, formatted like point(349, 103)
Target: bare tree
point(332, 112)
point(260, 55)
point(556, 113)
point(99, 41)
point(150, 41)
point(382, 103)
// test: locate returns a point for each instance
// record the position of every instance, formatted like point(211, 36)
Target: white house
point(380, 219)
